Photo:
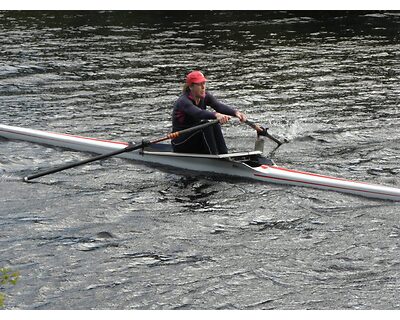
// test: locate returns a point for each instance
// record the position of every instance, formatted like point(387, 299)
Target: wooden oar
point(130, 147)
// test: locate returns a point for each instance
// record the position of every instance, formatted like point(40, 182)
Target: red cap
point(195, 77)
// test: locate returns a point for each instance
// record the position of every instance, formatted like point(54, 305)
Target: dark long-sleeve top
point(187, 114)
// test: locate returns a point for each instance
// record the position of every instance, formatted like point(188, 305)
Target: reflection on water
point(118, 235)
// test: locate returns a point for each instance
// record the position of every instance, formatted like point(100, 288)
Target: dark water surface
point(117, 235)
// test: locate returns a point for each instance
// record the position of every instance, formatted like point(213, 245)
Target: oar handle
point(264, 132)
point(254, 126)
point(130, 147)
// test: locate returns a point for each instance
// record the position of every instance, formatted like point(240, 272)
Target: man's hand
point(242, 117)
point(222, 118)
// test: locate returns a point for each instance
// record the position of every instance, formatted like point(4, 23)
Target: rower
point(190, 110)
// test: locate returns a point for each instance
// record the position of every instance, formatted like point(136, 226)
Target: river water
point(118, 235)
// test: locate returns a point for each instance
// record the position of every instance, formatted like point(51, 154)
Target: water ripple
point(120, 235)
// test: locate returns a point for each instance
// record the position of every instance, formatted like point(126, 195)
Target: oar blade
point(130, 147)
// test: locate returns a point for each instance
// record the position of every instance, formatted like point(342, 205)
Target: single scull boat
point(252, 165)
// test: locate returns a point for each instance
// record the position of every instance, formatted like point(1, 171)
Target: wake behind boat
point(250, 165)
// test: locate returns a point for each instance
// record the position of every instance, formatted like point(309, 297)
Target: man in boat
point(190, 110)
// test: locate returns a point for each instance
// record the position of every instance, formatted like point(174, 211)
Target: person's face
point(199, 89)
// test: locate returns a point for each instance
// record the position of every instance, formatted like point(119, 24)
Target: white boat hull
point(238, 164)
